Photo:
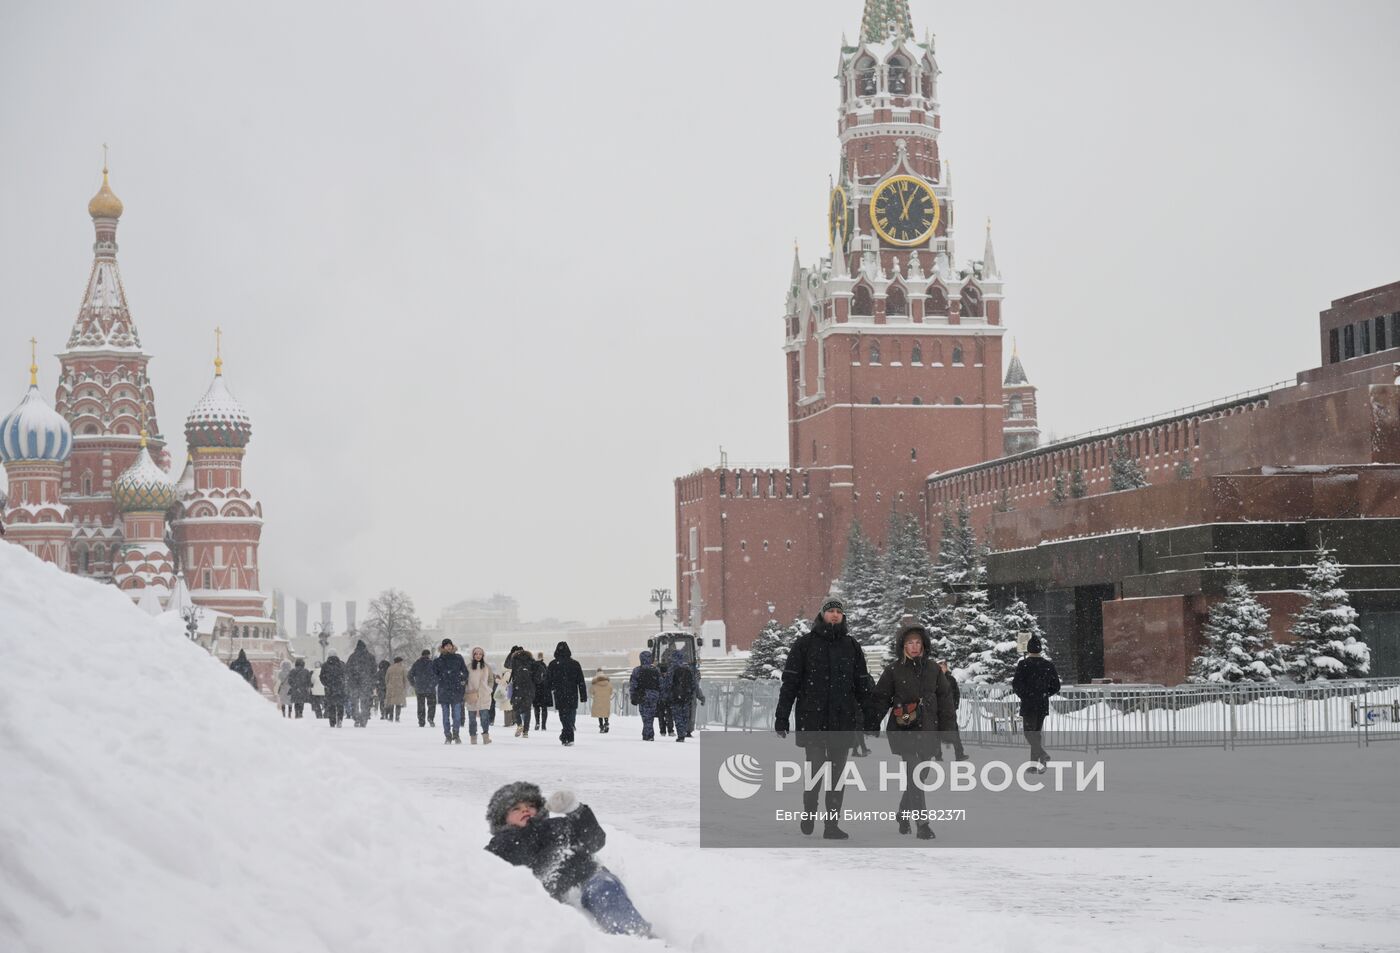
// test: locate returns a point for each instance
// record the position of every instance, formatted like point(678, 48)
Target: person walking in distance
point(243, 667)
point(380, 686)
point(568, 688)
point(1034, 683)
point(425, 688)
point(602, 700)
point(664, 724)
point(284, 691)
point(826, 679)
point(682, 694)
point(333, 681)
point(299, 683)
point(522, 689)
point(481, 684)
point(395, 689)
point(644, 692)
point(318, 694)
point(451, 673)
point(540, 669)
point(360, 678)
point(948, 733)
point(912, 689)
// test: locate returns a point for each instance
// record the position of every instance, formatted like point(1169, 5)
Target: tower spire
point(33, 362)
point(885, 20)
point(989, 258)
point(218, 352)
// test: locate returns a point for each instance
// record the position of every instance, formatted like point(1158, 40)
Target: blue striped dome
point(34, 431)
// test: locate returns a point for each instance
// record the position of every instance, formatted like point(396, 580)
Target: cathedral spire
point(885, 20)
point(33, 362)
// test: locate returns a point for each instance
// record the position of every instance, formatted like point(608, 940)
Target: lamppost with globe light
point(323, 636)
point(192, 614)
point(661, 597)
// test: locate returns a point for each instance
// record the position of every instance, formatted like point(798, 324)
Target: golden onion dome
point(105, 203)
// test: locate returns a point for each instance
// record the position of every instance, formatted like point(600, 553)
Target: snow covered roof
point(218, 420)
point(143, 486)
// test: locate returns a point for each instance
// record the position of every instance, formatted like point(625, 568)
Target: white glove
point(562, 802)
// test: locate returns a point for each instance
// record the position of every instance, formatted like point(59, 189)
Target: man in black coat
point(1034, 682)
point(424, 683)
point(522, 689)
point(826, 678)
point(333, 680)
point(299, 685)
point(360, 677)
point(948, 733)
point(450, 673)
point(243, 667)
point(568, 689)
point(541, 673)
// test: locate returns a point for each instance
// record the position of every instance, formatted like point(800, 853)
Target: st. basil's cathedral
point(90, 488)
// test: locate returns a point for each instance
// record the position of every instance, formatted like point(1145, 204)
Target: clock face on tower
point(837, 210)
point(905, 210)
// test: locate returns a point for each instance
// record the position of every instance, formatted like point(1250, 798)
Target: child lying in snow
point(557, 842)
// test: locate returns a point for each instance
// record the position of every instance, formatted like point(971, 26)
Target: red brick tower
point(893, 358)
point(894, 353)
point(219, 523)
point(105, 395)
point(1022, 426)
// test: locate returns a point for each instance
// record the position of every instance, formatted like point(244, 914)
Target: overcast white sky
point(492, 275)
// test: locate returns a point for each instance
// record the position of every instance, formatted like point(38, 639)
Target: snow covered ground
point(152, 803)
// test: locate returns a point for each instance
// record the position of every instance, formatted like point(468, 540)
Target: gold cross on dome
point(33, 362)
point(218, 352)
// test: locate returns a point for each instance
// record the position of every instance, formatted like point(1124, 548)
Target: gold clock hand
point(904, 214)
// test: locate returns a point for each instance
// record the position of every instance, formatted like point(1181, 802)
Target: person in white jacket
point(481, 682)
point(318, 694)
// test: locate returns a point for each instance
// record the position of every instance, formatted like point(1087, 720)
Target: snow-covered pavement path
point(985, 899)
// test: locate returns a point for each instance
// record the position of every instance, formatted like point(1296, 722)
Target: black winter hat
point(834, 603)
point(509, 795)
point(446, 643)
point(1034, 646)
point(427, 652)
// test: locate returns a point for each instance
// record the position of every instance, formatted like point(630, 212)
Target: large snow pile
point(152, 802)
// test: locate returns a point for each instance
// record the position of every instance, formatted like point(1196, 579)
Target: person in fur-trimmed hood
point(557, 840)
point(913, 691)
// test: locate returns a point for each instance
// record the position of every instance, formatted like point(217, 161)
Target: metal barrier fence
point(1359, 711)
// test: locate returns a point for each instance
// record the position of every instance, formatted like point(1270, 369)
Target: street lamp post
point(323, 636)
point(661, 597)
point(191, 615)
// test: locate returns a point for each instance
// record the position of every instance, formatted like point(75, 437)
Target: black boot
point(832, 832)
point(925, 832)
point(808, 825)
point(904, 825)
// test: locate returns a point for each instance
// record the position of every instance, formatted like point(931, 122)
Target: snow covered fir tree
point(1016, 625)
point(1124, 471)
point(1238, 645)
point(1326, 643)
point(769, 651)
point(863, 586)
point(907, 571)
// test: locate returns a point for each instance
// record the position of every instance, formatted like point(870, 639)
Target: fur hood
point(506, 797)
